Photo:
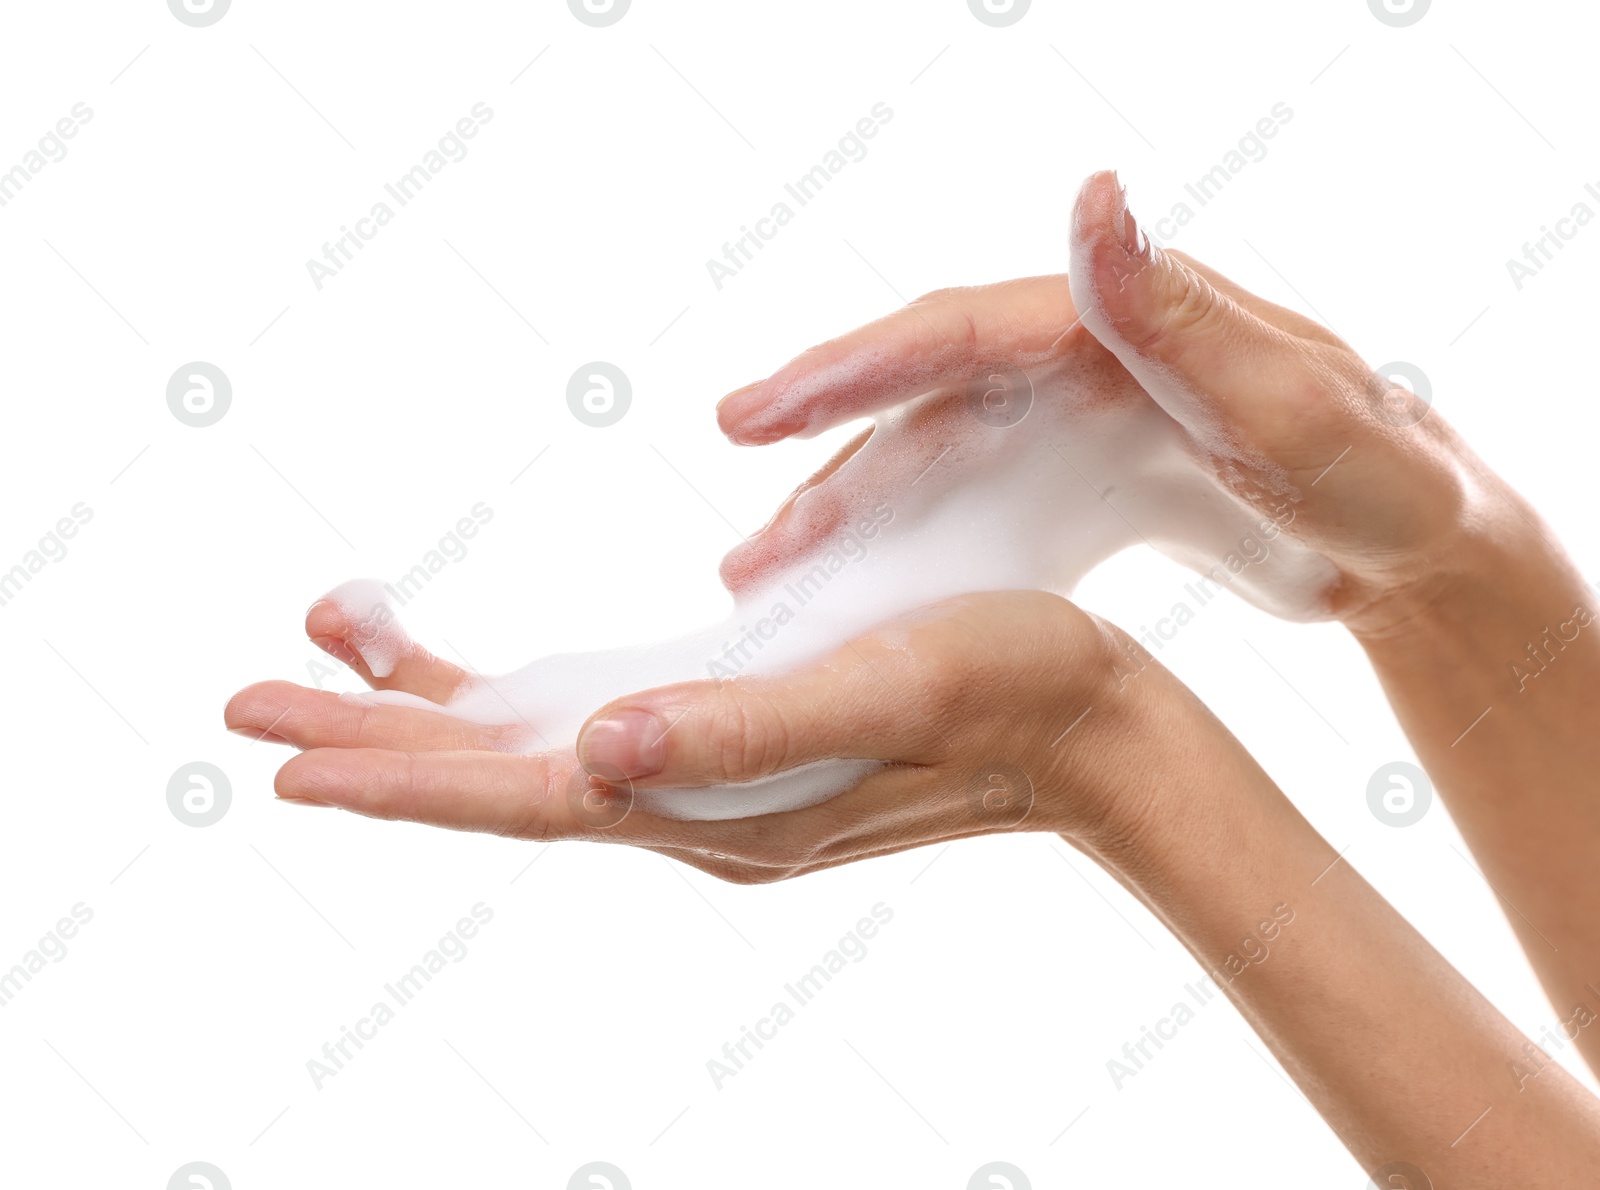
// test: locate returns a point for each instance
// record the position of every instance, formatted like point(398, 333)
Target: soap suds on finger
point(945, 498)
point(374, 629)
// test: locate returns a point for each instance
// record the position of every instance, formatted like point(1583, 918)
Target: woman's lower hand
point(995, 712)
point(989, 713)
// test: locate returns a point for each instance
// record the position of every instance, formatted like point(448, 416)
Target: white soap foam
point(939, 504)
point(377, 634)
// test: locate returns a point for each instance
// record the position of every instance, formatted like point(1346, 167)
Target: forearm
point(1403, 1058)
point(1497, 683)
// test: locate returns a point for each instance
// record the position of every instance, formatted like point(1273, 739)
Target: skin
point(1445, 575)
point(1102, 745)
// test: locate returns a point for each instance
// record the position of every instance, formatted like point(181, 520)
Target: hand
point(990, 713)
point(1284, 412)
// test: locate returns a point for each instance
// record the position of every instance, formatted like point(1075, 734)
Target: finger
point(817, 478)
point(500, 793)
point(1196, 348)
point(281, 712)
point(813, 513)
point(1281, 317)
point(846, 504)
point(543, 796)
point(857, 705)
point(943, 338)
point(357, 624)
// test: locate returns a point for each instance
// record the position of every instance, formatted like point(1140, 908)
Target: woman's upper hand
point(995, 712)
point(1286, 412)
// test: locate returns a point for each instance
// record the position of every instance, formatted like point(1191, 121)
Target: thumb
point(1194, 347)
point(727, 732)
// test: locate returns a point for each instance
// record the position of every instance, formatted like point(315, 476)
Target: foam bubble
point(376, 633)
point(937, 503)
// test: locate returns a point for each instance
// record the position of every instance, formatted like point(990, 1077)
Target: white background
point(414, 384)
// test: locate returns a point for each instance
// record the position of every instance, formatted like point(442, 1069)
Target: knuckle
point(358, 728)
point(393, 794)
point(957, 318)
point(1190, 304)
point(1328, 385)
point(507, 737)
point(530, 818)
point(751, 738)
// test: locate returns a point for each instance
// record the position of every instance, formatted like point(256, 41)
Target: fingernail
point(335, 647)
point(1134, 241)
point(755, 437)
point(306, 801)
point(630, 742)
point(736, 392)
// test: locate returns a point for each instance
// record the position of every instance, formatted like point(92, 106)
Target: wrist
point(1498, 588)
point(1204, 838)
point(1127, 770)
point(1184, 816)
